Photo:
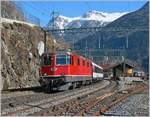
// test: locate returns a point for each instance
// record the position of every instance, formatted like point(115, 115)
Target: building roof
point(128, 63)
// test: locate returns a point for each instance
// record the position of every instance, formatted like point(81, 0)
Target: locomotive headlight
point(53, 69)
point(45, 74)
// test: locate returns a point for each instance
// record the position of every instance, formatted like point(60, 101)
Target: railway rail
point(28, 104)
point(92, 105)
point(95, 99)
point(96, 108)
point(73, 106)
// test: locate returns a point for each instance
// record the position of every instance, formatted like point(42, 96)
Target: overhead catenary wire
point(27, 14)
point(88, 5)
point(32, 7)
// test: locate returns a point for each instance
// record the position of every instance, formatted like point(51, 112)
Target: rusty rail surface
point(113, 103)
point(81, 108)
point(52, 106)
point(75, 104)
point(87, 106)
point(120, 99)
point(93, 103)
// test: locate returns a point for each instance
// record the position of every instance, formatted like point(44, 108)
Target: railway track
point(71, 107)
point(29, 104)
point(96, 103)
point(90, 100)
point(111, 99)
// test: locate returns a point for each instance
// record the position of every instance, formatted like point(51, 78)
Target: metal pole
point(45, 49)
point(124, 69)
point(99, 43)
point(85, 47)
point(102, 46)
point(127, 40)
point(73, 44)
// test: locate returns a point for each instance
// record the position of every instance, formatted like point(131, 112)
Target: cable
point(88, 5)
point(34, 8)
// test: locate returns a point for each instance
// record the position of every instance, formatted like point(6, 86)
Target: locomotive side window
point(47, 60)
point(83, 63)
point(97, 70)
point(72, 61)
point(87, 64)
point(78, 61)
point(62, 59)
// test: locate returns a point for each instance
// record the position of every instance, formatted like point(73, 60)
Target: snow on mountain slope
point(90, 19)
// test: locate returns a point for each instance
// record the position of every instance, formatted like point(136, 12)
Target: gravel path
point(136, 105)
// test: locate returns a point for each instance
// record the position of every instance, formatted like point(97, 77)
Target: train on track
point(67, 70)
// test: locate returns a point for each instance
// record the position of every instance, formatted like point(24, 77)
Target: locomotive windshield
point(62, 59)
point(47, 60)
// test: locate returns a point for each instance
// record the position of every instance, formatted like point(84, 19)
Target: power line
point(54, 15)
point(88, 5)
point(34, 8)
point(97, 29)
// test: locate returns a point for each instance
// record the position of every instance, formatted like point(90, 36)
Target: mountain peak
point(89, 19)
point(93, 13)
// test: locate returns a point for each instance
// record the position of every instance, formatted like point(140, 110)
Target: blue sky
point(42, 9)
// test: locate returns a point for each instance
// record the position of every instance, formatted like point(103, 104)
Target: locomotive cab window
point(62, 59)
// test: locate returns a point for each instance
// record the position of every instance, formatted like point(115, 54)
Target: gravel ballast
point(136, 105)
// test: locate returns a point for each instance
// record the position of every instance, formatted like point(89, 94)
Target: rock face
point(10, 11)
point(20, 54)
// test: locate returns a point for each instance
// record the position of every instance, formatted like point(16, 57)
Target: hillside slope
point(138, 41)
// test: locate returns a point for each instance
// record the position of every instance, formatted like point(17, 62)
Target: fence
point(26, 16)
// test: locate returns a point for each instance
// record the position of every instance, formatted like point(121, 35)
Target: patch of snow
point(104, 18)
point(40, 47)
point(54, 40)
point(30, 55)
point(69, 19)
point(12, 21)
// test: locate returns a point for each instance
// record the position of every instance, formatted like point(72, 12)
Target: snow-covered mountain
point(90, 19)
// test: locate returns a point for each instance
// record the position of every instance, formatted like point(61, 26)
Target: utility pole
point(53, 20)
point(99, 42)
point(85, 48)
point(54, 15)
point(45, 49)
point(73, 44)
point(127, 38)
point(102, 46)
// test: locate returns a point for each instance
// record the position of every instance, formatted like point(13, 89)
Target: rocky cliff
point(22, 45)
point(11, 11)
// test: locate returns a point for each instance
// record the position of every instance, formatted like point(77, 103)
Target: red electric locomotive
point(64, 70)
